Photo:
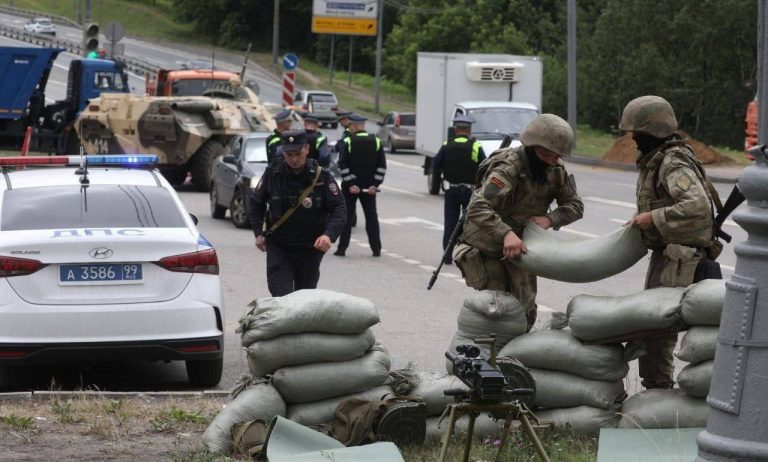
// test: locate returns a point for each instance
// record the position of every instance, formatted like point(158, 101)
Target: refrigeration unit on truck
point(501, 92)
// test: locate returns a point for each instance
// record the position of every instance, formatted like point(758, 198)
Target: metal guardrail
point(36, 14)
point(133, 64)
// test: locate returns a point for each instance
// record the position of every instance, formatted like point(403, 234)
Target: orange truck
point(185, 82)
point(751, 127)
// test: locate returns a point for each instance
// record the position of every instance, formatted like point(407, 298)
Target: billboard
point(348, 17)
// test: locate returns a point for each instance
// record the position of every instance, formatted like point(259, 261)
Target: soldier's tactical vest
point(459, 164)
point(652, 195)
point(309, 219)
point(529, 198)
point(362, 151)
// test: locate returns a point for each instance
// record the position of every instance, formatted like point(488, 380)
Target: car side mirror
point(229, 159)
point(194, 218)
point(380, 123)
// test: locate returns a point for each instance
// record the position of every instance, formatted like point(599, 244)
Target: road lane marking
point(427, 268)
point(610, 202)
point(404, 165)
point(545, 308)
point(402, 191)
point(412, 220)
point(728, 268)
point(411, 261)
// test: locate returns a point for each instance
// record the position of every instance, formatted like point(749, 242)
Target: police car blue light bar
point(136, 160)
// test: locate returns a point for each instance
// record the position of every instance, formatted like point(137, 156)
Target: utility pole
point(79, 12)
point(736, 428)
point(349, 67)
point(330, 61)
point(380, 27)
point(572, 67)
point(275, 32)
point(87, 10)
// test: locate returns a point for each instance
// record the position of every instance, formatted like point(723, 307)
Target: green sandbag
point(560, 389)
point(595, 318)
point(703, 303)
point(492, 312)
point(580, 419)
point(698, 344)
point(584, 260)
point(559, 351)
point(664, 409)
point(318, 381)
point(430, 388)
point(308, 310)
point(321, 412)
point(695, 379)
point(266, 356)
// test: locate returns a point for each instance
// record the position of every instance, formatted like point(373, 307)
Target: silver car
point(398, 130)
point(40, 26)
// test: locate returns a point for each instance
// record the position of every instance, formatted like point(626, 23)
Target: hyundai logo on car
point(100, 253)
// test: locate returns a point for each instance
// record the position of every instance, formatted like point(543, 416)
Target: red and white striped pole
point(289, 79)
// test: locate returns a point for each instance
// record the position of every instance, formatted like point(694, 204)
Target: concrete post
point(737, 428)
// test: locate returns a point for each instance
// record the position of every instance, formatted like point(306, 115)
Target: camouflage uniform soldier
point(515, 186)
point(673, 215)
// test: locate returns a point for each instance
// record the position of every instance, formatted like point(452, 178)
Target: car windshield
point(498, 121)
point(320, 98)
point(107, 81)
point(44, 22)
point(256, 150)
point(408, 119)
point(108, 206)
point(191, 87)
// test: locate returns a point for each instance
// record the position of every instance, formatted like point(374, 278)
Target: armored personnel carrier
point(186, 133)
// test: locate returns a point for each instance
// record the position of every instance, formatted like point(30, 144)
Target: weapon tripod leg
point(504, 434)
point(449, 433)
point(533, 437)
point(470, 431)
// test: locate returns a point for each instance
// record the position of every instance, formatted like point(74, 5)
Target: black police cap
point(342, 114)
point(283, 115)
point(357, 118)
point(293, 140)
point(309, 117)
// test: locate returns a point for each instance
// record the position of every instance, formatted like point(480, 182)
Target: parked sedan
point(40, 26)
point(398, 130)
point(105, 264)
point(244, 159)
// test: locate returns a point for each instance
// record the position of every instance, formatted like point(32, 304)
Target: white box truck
point(501, 92)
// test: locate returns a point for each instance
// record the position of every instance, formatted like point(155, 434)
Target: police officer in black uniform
point(318, 143)
point(457, 160)
point(283, 120)
point(344, 122)
point(306, 214)
point(363, 165)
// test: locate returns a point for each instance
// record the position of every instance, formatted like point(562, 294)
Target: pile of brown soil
point(624, 150)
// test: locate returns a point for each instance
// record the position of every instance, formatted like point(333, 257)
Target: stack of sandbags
point(488, 312)
point(318, 349)
point(702, 307)
point(252, 399)
point(579, 385)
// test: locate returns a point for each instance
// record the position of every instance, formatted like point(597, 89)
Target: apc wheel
point(217, 211)
point(205, 373)
point(201, 164)
point(238, 212)
point(433, 183)
point(391, 146)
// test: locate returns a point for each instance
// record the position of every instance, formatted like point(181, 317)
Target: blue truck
point(24, 74)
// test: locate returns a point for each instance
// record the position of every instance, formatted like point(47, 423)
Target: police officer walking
point(516, 186)
point(674, 216)
point(457, 161)
point(306, 214)
point(363, 165)
point(318, 143)
point(283, 120)
point(344, 122)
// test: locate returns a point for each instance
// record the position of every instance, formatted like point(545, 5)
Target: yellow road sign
point(348, 26)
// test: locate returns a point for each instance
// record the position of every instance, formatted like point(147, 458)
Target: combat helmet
point(550, 132)
point(651, 115)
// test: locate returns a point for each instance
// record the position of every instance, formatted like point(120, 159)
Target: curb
point(584, 160)
point(148, 395)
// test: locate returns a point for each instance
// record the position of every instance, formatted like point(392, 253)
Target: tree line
point(699, 54)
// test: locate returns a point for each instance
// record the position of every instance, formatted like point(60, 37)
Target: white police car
point(105, 264)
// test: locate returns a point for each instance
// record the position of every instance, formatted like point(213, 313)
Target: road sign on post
point(289, 79)
point(290, 61)
point(348, 17)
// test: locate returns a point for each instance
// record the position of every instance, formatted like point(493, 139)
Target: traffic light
point(90, 38)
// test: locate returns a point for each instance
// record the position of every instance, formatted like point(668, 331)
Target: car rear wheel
point(205, 373)
point(392, 148)
point(202, 164)
point(217, 211)
point(238, 212)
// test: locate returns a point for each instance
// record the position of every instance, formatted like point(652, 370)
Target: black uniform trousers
point(456, 197)
point(290, 270)
point(368, 202)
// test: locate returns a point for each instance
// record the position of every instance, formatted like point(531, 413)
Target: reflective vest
point(362, 151)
